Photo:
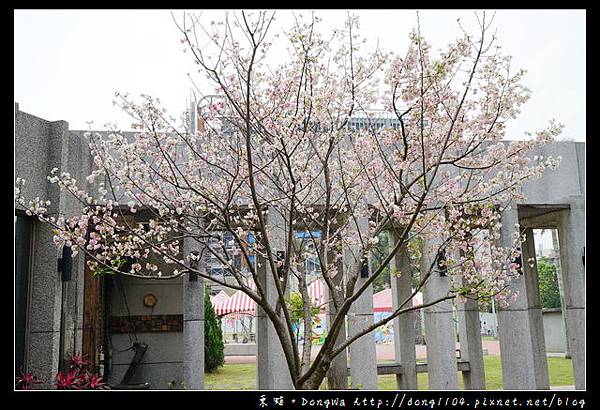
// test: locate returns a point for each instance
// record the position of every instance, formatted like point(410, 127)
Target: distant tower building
point(199, 108)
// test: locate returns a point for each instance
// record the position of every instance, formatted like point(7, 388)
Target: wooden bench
point(396, 368)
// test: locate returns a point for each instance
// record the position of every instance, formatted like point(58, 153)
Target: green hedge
point(214, 349)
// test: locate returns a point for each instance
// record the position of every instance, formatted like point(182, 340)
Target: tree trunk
point(315, 379)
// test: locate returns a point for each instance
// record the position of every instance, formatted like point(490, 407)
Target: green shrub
point(548, 283)
point(214, 349)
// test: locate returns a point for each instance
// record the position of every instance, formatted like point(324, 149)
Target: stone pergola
point(555, 201)
point(64, 316)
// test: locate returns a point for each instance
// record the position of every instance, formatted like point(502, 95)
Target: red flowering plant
point(79, 362)
point(80, 375)
point(26, 381)
point(93, 381)
point(70, 380)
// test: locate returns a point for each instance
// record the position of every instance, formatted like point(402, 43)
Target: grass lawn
point(232, 377)
point(243, 376)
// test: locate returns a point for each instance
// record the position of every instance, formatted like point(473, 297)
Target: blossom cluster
point(279, 153)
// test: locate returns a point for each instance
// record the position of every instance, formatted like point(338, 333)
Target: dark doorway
point(23, 237)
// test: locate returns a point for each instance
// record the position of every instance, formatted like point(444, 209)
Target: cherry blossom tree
point(282, 150)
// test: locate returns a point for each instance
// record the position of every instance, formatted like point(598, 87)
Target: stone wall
point(162, 363)
point(554, 330)
point(40, 146)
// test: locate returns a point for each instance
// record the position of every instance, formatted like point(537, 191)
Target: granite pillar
point(363, 355)
point(439, 323)
point(572, 254)
point(271, 365)
point(536, 322)
point(337, 375)
point(193, 323)
point(404, 324)
point(471, 349)
point(522, 368)
point(44, 321)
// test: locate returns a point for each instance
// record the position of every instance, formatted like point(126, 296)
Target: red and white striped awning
point(318, 293)
point(238, 305)
point(219, 299)
point(382, 301)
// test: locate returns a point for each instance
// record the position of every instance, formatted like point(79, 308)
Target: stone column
point(337, 375)
point(561, 289)
point(46, 289)
point(572, 244)
point(272, 372)
point(79, 304)
point(363, 355)
point(404, 325)
point(45, 308)
point(536, 321)
point(439, 328)
point(523, 368)
point(471, 350)
point(193, 323)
